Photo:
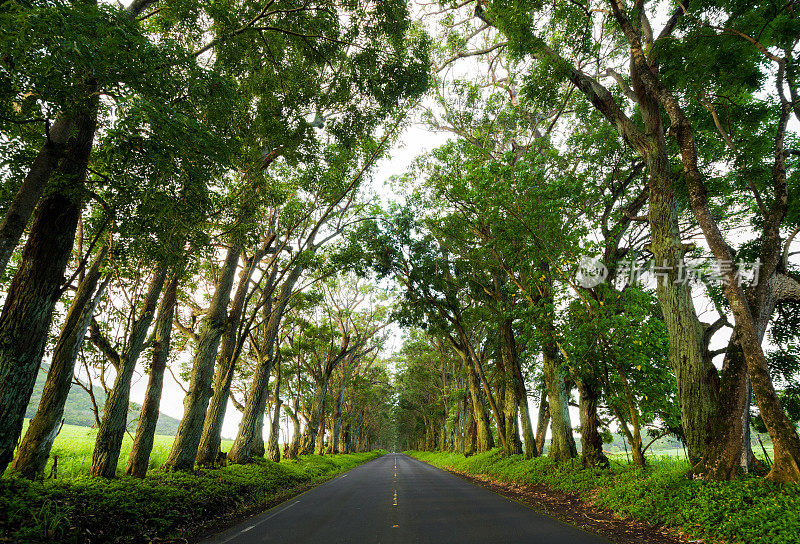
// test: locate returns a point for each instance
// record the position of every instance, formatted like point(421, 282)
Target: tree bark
point(357, 435)
point(562, 442)
point(309, 441)
point(35, 289)
point(471, 438)
point(34, 450)
point(184, 450)
point(320, 449)
point(232, 343)
point(483, 432)
point(292, 449)
point(512, 398)
point(60, 139)
point(591, 442)
point(337, 425)
point(142, 447)
point(258, 449)
point(543, 423)
point(731, 450)
point(249, 430)
point(273, 448)
point(697, 378)
point(487, 390)
point(115, 412)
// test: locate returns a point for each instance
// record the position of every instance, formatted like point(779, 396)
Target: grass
point(77, 508)
point(680, 453)
point(74, 446)
point(746, 511)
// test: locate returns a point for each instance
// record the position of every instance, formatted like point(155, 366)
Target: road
point(397, 499)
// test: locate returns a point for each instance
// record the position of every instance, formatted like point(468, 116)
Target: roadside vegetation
point(746, 511)
point(164, 505)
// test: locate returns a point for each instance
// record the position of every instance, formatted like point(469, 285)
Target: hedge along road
point(396, 499)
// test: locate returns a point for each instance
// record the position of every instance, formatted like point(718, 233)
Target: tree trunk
point(562, 443)
point(258, 449)
point(358, 432)
point(697, 378)
point(337, 416)
point(249, 430)
point(320, 449)
point(512, 398)
point(470, 432)
point(747, 457)
point(273, 449)
point(591, 442)
point(34, 450)
point(531, 450)
point(317, 406)
point(344, 442)
point(528, 437)
point(731, 451)
point(211, 436)
point(484, 438)
point(36, 287)
point(487, 390)
point(115, 412)
point(184, 449)
point(61, 138)
point(543, 423)
point(142, 447)
point(292, 449)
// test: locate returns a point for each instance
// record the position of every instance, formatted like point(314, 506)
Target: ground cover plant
point(162, 505)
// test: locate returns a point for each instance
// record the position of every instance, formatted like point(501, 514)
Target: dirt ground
point(574, 510)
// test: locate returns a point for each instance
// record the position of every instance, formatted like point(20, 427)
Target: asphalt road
point(397, 499)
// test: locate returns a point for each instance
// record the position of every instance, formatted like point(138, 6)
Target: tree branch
point(101, 342)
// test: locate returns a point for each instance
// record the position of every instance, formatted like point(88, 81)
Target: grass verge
point(746, 511)
point(162, 506)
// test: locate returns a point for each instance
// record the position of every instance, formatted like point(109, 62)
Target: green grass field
point(74, 446)
point(680, 453)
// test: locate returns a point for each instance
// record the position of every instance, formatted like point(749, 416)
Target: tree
point(639, 123)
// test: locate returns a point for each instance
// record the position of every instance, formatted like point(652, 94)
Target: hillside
point(78, 410)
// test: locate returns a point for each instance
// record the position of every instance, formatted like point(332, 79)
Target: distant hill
point(78, 410)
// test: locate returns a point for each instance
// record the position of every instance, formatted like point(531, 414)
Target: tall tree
point(34, 449)
point(139, 458)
